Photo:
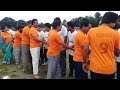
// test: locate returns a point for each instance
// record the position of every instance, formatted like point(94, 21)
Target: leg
point(52, 67)
point(71, 65)
point(35, 52)
point(63, 63)
point(118, 70)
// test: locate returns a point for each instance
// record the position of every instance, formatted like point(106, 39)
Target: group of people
point(91, 49)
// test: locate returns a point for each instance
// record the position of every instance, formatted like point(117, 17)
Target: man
point(104, 42)
point(78, 49)
point(47, 27)
point(41, 34)
point(25, 47)
point(35, 43)
point(63, 34)
point(17, 46)
point(71, 34)
point(54, 47)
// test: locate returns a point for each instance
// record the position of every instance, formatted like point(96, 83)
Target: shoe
point(37, 76)
point(27, 71)
point(45, 63)
point(19, 66)
point(8, 63)
point(4, 62)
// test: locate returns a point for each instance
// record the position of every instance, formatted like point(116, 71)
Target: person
point(41, 34)
point(25, 47)
point(35, 44)
point(54, 47)
point(118, 60)
point(63, 34)
point(104, 43)
point(78, 49)
point(47, 27)
point(7, 45)
point(12, 31)
point(17, 47)
point(71, 34)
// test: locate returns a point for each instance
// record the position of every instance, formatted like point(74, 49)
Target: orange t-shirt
point(102, 41)
point(34, 33)
point(25, 36)
point(6, 36)
point(54, 40)
point(17, 39)
point(78, 44)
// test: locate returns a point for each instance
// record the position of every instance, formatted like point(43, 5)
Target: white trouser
point(35, 53)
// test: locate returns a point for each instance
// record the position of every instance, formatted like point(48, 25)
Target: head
point(57, 18)
point(5, 28)
point(20, 28)
point(35, 23)
point(47, 27)
point(110, 19)
point(70, 26)
point(29, 23)
point(39, 28)
point(57, 25)
point(85, 25)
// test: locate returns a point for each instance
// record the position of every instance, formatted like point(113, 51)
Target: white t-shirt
point(71, 41)
point(63, 32)
point(12, 32)
point(46, 39)
point(41, 33)
point(118, 58)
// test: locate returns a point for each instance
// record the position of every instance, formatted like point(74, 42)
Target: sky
point(48, 16)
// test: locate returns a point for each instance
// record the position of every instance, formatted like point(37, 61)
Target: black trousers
point(71, 65)
point(79, 72)
point(118, 70)
point(101, 76)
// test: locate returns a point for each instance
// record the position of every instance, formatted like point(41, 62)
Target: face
point(30, 24)
point(86, 29)
point(68, 28)
point(5, 29)
point(59, 27)
point(39, 29)
point(46, 29)
point(36, 24)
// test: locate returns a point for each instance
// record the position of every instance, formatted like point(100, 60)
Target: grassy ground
point(16, 73)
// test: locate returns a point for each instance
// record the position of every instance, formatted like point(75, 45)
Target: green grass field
point(15, 73)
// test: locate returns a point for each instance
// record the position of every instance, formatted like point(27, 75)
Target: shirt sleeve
point(87, 39)
point(58, 38)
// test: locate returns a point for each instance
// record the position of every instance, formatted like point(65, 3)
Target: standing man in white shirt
point(47, 27)
point(71, 34)
point(63, 34)
point(41, 34)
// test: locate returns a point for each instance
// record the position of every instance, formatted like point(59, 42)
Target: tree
point(7, 21)
point(20, 22)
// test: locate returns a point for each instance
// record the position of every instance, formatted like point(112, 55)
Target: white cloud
point(47, 16)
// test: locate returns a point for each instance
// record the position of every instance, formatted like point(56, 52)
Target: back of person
point(102, 42)
point(17, 39)
point(25, 33)
point(54, 46)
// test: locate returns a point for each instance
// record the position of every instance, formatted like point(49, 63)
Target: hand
point(85, 67)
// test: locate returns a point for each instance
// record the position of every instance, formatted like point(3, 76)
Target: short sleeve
point(82, 39)
point(58, 38)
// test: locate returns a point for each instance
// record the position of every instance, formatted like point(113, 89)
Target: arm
point(117, 52)
point(39, 40)
point(66, 46)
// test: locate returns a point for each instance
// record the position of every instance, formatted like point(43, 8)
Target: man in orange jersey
point(78, 49)
point(17, 46)
point(25, 47)
point(55, 44)
point(35, 43)
point(104, 42)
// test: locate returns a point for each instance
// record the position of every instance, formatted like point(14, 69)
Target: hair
point(109, 17)
point(84, 22)
point(29, 22)
point(20, 27)
point(33, 21)
point(71, 24)
point(58, 19)
point(56, 23)
point(47, 25)
point(3, 27)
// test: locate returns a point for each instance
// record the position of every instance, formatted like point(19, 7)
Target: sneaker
point(37, 76)
point(8, 63)
point(45, 63)
point(19, 66)
point(4, 62)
